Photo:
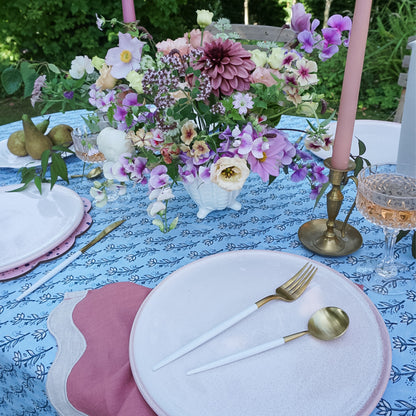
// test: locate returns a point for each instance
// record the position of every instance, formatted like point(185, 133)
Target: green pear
point(35, 141)
point(43, 125)
point(61, 135)
point(16, 141)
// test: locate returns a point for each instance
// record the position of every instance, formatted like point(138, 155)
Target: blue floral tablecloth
point(138, 252)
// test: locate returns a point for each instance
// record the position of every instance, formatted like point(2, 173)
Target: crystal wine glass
point(386, 197)
point(86, 149)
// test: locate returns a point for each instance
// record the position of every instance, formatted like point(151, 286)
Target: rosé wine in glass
point(387, 198)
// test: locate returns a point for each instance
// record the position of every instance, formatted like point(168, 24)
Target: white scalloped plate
point(346, 376)
point(32, 224)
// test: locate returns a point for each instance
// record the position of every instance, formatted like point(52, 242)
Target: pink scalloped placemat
point(62, 248)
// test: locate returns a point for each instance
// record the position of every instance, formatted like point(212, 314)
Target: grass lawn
point(12, 109)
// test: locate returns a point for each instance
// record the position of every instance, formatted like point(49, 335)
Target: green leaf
point(361, 147)
point(29, 76)
point(321, 193)
point(358, 165)
point(401, 235)
point(11, 80)
point(54, 68)
point(38, 183)
point(22, 188)
point(28, 174)
point(159, 224)
point(173, 224)
point(59, 167)
point(44, 160)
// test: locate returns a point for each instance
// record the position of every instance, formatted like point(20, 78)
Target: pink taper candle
point(351, 85)
point(129, 14)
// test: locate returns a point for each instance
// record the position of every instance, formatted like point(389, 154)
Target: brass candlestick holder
point(329, 237)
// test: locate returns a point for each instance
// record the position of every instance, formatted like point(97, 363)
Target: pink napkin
point(101, 382)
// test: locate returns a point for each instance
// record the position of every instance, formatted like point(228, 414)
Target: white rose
point(80, 65)
point(259, 57)
point(230, 173)
point(276, 58)
point(204, 18)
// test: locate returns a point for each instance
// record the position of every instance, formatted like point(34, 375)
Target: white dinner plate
point(381, 139)
point(31, 224)
point(9, 160)
point(346, 376)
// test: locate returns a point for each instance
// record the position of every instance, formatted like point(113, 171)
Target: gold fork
point(288, 291)
point(293, 288)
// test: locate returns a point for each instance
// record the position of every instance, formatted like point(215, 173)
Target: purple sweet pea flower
point(302, 155)
point(328, 52)
point(158, 177)
point(244, 139)
point(300, 20)
point(187, 172)
point(317, 175)
point(332, 36)
point(315, 191)
point(138, 169)
point(340, 23)
point(130, 100)
point(69, 95)
point(204, 173)
point(120, 113)
point(299, 173)
point(305, 38)
point(287, 153)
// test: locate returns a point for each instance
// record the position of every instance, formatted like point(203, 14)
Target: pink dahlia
point(228, 65)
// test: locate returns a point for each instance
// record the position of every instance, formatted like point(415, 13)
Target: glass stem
point(390, 236)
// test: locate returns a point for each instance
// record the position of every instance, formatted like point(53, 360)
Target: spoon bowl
point(95, 172)
point(328, 323)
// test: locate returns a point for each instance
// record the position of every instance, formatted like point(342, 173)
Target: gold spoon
point(325, 324)
point(93, 173)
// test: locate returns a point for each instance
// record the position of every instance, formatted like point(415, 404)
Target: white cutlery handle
point(206, 336)
point(238, 356)
point(50, 274)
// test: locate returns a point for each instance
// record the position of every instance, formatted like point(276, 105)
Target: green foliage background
point(57, 30)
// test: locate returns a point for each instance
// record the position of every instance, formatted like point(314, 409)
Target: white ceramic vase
point(210, 197)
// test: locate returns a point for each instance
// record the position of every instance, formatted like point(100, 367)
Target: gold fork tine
point(300, 278)
point(305, 283)
point(294, 277)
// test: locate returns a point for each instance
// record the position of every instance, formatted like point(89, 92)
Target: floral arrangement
point(202, 106)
